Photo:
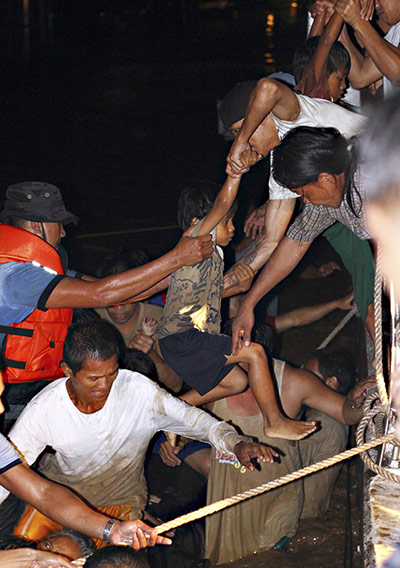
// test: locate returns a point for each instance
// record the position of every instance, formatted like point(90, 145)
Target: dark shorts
point(198, 357)
point(190, 448)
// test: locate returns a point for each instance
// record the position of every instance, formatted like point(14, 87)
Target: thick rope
point(219, 505)
point(338, 328)
point(229, 501)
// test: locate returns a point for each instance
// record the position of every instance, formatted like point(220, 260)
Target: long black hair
point(305, 152)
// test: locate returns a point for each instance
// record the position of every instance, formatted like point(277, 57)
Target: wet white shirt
point(318, 113)
point(101, 455)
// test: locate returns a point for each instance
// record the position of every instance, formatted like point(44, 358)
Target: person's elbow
point(267, 90)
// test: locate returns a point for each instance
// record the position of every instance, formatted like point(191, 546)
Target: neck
point(82, 405)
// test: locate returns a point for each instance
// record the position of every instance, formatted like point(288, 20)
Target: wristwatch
point(108, 527)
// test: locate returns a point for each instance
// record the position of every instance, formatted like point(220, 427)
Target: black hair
point(336, 362)
point(11, 542)
point(95, 339)
point(120, 261)
point(116, 557)
point(305, 152)
point(380, 151)
point(86, 545)
point(136, 360)
point(338, 57)
point(195, 201)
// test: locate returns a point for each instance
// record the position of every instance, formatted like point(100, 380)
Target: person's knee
point(235, 382)
point(254, 353)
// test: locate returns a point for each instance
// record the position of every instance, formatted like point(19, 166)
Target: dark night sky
point(114, 101)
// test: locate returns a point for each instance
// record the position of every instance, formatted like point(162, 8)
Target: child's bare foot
point(289, 429)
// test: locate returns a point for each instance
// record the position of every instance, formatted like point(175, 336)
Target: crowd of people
point(88, 403)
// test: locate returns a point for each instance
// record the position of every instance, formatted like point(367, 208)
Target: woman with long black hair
point(321, 166)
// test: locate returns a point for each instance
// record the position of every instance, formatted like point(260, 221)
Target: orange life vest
point(32, 349)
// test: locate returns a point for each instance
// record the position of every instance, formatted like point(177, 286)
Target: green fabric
point(358, 260)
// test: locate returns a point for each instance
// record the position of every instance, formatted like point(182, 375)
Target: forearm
point(54, 501)
point(303, 316)
point(357, 59)
point(385, 56)
point(156, 289)
point(113, 289)
point(285, 258)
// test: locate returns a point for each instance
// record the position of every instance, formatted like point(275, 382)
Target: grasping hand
point(350, 10)
point(248, 451)
point(367, 9)
point(140, 534)
point(244, 275)
point(254, 226)
point(359, 393)
point(142, 342)
point(168, 453)
point(234, 165)
point(191, 250)
point(149, 326)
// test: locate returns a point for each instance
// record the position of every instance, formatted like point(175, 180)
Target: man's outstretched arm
point(284, 259)
point(62, 506)
point(75, 293)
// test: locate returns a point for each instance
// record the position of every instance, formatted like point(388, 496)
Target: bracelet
point(108, 527)
point(353, 404)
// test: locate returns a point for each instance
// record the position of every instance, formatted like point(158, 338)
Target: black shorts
point(198, 357)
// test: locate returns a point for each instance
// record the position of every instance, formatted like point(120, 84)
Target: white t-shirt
point(8, 456)
point(101, 455)
point(318, 113)
point(393, 37)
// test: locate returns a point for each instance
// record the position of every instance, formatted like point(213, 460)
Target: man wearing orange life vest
point(37, 292)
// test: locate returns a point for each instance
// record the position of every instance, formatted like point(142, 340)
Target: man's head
point(68, 543)
point(116, 263)
point(116, 557)
point(338, 65)
point(334, 366)
point(91, 355)
point(388, 11)
point(232, 111)
point(37, 207)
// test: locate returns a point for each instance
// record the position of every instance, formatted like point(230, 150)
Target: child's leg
point(233, 383)
point(259, 376)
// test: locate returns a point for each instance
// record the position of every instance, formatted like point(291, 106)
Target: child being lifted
point(189, 332)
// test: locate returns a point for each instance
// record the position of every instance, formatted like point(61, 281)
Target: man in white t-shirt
point(100, 420)
point(383, 59)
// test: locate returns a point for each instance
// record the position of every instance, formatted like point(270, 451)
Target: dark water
point(114, 101)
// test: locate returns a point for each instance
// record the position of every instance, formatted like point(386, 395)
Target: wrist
point(352, 403)
point(109, 529)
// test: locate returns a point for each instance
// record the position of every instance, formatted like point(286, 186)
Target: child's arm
point(222, 205)
point(267, 96)
point(316, 71)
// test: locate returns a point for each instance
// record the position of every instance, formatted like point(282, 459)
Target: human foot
point(289, 429)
